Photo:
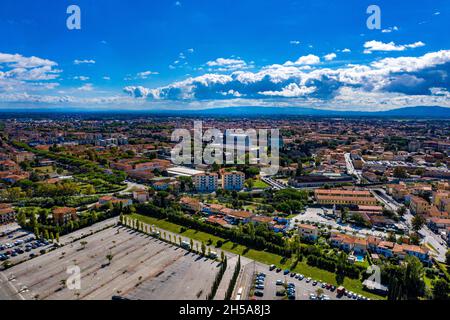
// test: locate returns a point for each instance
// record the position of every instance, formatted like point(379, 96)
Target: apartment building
point(233, 180)
point(205, 182)
point(308, 232)
point(418, 205)
point(344, 197)
point(64, 214)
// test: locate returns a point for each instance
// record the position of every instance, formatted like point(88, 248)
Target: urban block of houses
point(386, 248)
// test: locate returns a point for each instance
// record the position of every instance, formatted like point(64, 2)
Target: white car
point(312, 296)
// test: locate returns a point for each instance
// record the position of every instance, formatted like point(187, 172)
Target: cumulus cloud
point(330, 56)
point(310, 59)
point(291, 90)
point(224, 64)
point(346, 50)
point(32, 74)
point(374, 45)
point(399, 80)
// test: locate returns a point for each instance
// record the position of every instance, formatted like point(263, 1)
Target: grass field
point(259, 184)
point(260, 256)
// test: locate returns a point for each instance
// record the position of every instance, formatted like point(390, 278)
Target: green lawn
point(260, 256)
point(259, 184)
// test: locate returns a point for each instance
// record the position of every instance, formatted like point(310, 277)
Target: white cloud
point(346, 50)
point(310, 59)
point(86, 87)
point(84, 61)
point(81, 78)
point(390, 29)
point(330, 56)
point(106, 78)
point(145, 74)
point(294, 42)
point(224, 64)
point(374, 45)
point(190, 50)
point(382, 79)
point(291, 90)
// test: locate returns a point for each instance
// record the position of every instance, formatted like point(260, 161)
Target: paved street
point(350, 168)
point(428, 236)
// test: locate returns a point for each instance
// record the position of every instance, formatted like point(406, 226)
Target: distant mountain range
point(432, 112)
point(408, 112)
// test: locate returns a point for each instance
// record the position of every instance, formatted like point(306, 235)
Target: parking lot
point(18, 245)
point(115, 262)
point(276, 281)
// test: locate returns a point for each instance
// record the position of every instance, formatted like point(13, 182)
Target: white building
point(205, 182)
point(233, 180)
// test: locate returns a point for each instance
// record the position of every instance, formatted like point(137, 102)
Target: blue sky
point(195, 54)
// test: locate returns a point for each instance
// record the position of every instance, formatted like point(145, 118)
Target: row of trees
point(237, 235)
point(218, 279)
point(233, 280)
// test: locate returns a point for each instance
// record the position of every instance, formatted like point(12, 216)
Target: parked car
point(259, 293)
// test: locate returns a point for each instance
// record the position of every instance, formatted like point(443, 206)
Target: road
point(428, 236)
point(274, 184)
point(351, 169)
